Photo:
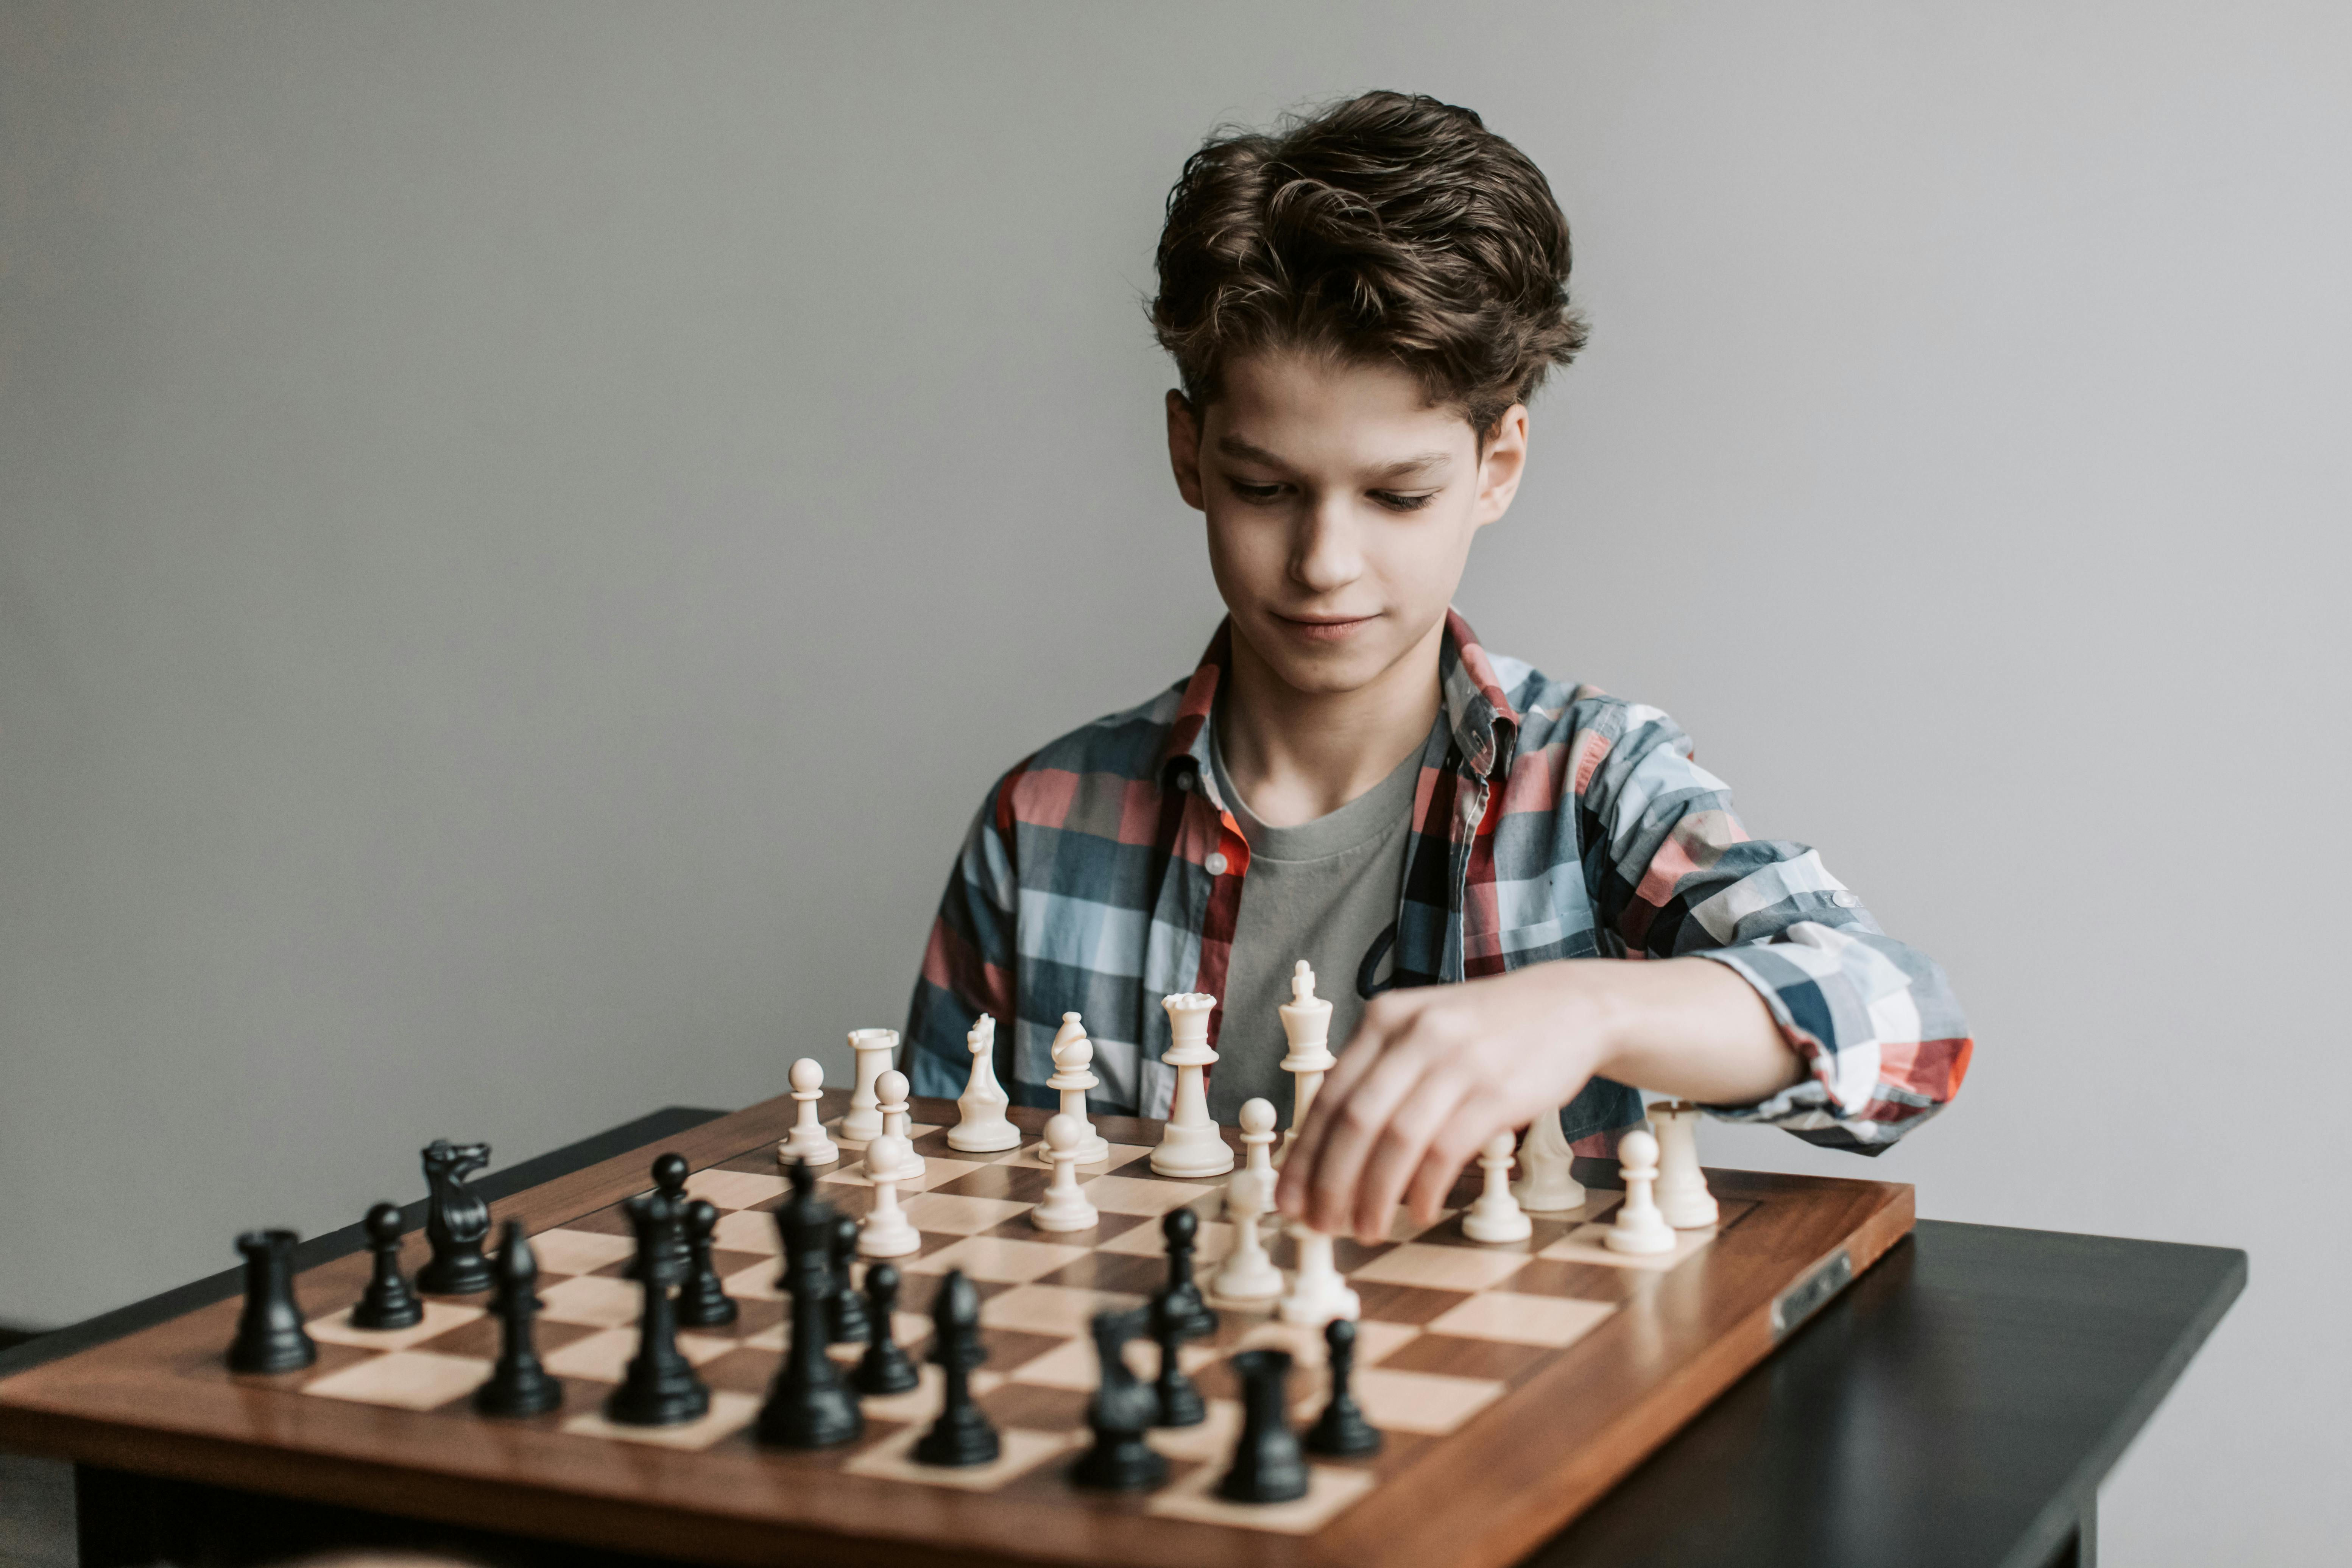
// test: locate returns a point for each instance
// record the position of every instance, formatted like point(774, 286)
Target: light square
point(734, 1189)
point(407, 1380)
point(998, 1259)
point(1139, 1195)
point(439, 1317)
point(1210, 1442)
point(1553, 1321)
point(1020, 1451)
point(1434, 1267)
point(1307, 1348)
point(945, 1215)
point(1585, 1244)
point(598, 1300)
point(748, 1230)
point(1422, 1401)
point(1052, 1309)
point(563, 1251)
point(729, 1413)
point(1073, 1364)
point(605, 1356)
point(757, 1283)
point(1330, 1492)
point(1209, 1243)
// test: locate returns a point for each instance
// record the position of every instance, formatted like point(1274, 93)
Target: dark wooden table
point(1959, 1404)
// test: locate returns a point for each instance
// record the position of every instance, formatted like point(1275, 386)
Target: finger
point(1358, 1123)
point(1478, 1118)
point(1427, 1109)
point(1371, 1039)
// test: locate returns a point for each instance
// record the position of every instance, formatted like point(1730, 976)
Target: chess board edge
point(1510, 1477)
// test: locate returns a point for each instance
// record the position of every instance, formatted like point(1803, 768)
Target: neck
point(1297, 756)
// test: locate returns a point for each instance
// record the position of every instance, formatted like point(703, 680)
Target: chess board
point(1515, 1383)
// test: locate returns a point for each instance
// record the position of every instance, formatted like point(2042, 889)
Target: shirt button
point(1184, 780)
point(1843, 899)
point(1216, 865)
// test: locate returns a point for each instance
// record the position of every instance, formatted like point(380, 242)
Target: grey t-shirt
point(1323, 891)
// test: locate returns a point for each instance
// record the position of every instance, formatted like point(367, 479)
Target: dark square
point(1459, 1357)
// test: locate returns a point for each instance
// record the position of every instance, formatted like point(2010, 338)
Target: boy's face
point(1341, 507)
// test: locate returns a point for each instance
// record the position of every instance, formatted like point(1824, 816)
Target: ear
point(1185, 450)
point(1500, 467)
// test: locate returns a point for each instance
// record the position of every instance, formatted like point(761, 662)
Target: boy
point(1360, 308)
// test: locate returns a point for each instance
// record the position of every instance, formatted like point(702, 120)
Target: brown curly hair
point(1389, 227)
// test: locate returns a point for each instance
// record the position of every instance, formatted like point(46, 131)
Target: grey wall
point(524, 532)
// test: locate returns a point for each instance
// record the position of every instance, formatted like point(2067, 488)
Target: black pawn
point(844, 1309)
point(961, 1435)
point(807, 1406)
point(670, 1173)
point(519, 1384)
point(702, 1300)
point(1268, 1466)
point(1178, 1398)
point(269, 1335)
point(387, 1302)
point(884, 1368)
point(1181, 1298)
point(1122, 1409)
point(660, 1388)
point(1341, 1430)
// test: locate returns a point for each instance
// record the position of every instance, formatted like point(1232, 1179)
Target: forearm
point(1684, 1026)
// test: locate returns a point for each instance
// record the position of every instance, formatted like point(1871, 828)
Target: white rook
point(1192, 1145)
point(873, 1050)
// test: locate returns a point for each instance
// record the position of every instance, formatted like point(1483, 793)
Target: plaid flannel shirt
point(1105, 872)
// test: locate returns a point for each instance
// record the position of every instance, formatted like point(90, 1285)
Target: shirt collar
point(1484, 723)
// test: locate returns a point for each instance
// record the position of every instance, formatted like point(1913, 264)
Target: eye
point(1256, 495)
point(1396, 502)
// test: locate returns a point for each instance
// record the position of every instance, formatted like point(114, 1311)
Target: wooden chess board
point(1516, 1384)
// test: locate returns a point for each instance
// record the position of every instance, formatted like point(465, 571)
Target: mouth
point(1324, 628)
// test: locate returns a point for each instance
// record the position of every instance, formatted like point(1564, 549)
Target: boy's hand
point(1433, 1072)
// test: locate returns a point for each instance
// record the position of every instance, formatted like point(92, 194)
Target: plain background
point(525, 531)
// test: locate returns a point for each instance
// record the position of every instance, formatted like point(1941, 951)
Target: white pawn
point(887, 1231)
point(981, 1127)
point(872, 1049)
point(1640, 1228)
point(1065, 1206)
point(1190, 1144)
point(807, 1142)
point(890, 1094)
point(1248, 1274)
point(1317, 1294)
point(1546, 1184)
point(1682, 1197)
point(1495, 1215)
point(1074, 1056)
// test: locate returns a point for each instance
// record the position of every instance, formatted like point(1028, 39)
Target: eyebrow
point(1233, 446)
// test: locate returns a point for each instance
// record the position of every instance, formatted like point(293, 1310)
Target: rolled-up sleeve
point(1673, 874)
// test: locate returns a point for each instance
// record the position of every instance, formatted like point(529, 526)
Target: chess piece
point(269, 1333)
point(884, 1368)
point(1180, 1400)
point(1496, 1216)
point(890, 1094)
point(872, 1049)
point(1341, 1430)
point(387, 1302)
point(1268, 1466)
point(1547, 1183)
point(1190, 1145)
point(702, 1299)
point(888, 1232)
point(845, 1318)
point(1123, 1407)
point(1074, 1057)
point(669, 1255)
point(1317, 1294)
point(1640, 1228)
point(457, 1220)
point(518, 1385)
point(1065, 1207)
point(660, 1388)
point(807, 1407)
point(1180, 1299)
point(807, 1141)
point(1248, 1274)
point(1682, 1192)
point(961, 1437)
point(981, 1126)
point(1306, 1025)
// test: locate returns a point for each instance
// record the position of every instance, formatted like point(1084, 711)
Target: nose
point(1325, 553)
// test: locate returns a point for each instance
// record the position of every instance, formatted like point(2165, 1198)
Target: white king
point(1307, 1024)
point(1192, 1146)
